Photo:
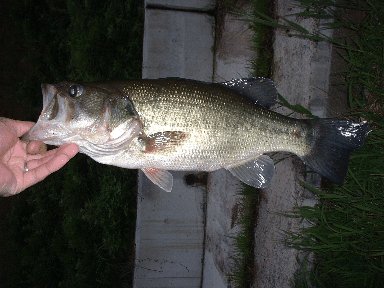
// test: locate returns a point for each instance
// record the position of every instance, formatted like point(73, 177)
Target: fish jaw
point(49, 91)
point(52, 133)
point(51, 125)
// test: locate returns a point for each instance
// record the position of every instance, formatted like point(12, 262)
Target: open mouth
point(51, 110)
point(55, 106)
point(50, 127)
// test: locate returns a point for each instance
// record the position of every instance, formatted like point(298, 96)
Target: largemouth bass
point(178, 124)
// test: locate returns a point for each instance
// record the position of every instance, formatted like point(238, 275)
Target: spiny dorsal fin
point(261, 91)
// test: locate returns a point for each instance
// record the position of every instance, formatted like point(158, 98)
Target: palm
point(12, 167)
point(22, 164)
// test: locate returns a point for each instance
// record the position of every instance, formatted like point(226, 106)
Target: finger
point(63, 155)
point(6, 180)
point(21, 127)
point(36, 147)
point(34, 163)
point(39, 156)
point(36, 160)
point(51, 152)
point(69, 149)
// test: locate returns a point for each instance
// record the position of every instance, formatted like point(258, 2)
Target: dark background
point(76, 228)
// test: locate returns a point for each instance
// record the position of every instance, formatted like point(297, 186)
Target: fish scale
point(222, 126)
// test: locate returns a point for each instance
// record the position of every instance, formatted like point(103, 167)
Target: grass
point(347, 236)
point(243, 276)
point(244, 272)
point(76, 228)
point(262, 38)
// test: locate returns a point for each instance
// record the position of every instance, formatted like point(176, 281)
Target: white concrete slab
point(178, 44)
point(275, 263)
point(169, 235)
point(301, 67)
point(221, 228)
point(233, 58)
point(200, 5)
point(170, 226)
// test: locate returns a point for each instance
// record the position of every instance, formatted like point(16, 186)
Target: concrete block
point(221, 228)
point(169, 235)
point(199, 5)
point(233, 53)
point(178, 44)
point(170, 226)
point(275, 262)
point(301, 66)
point(232, 60)
point(301, 74)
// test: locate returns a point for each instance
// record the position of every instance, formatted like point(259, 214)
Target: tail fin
point(332, 142)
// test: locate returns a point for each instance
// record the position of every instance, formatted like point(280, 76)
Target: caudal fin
point(332, 142)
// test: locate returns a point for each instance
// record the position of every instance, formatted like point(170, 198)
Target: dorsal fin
point(261, 91)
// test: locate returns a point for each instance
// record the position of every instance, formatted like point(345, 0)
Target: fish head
point(82, 113)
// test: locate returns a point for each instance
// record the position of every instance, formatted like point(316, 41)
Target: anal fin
point(257, 173)
point(161, 178)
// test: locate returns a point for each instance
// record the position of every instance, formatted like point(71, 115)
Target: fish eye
point(75, 90)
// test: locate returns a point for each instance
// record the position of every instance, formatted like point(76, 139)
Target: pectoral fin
point(161, 178)
point(256, 173)
point(163, 140)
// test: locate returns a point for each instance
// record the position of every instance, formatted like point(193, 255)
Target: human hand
point(24, 164)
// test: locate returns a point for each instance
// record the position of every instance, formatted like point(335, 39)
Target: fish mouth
point(49, 91)
point(52, 134)
point(50, 127)
point(55, 106)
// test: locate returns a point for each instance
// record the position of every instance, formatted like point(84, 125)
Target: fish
point(158, 125)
